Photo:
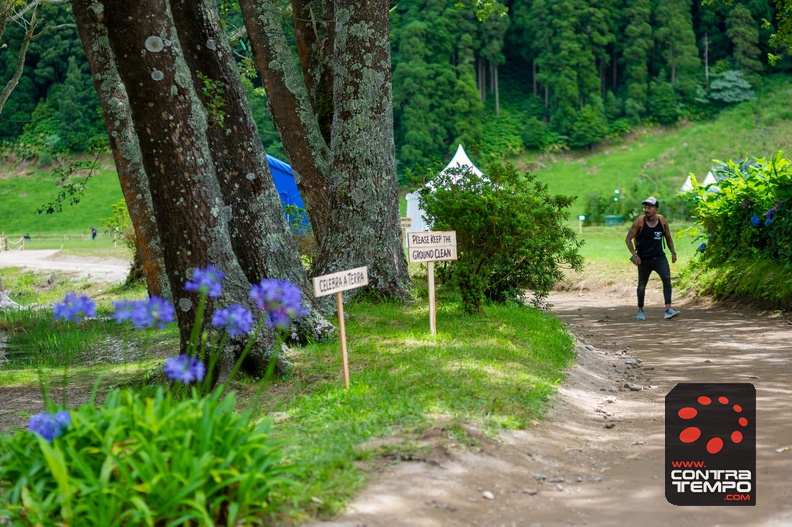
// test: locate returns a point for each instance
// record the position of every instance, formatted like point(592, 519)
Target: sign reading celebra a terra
point(340, 281)
point(432, 246)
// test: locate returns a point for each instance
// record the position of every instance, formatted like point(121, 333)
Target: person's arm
point(629, 241)
point(670, 242)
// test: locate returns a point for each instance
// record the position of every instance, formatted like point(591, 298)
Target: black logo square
point(710, 442)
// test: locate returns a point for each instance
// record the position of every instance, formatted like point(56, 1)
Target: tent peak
point(461, 159)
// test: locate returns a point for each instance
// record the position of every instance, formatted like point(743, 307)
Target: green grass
point(606, 244)
point(24, 190)
point(477, 376)
point(489, 372)
point(664, 157)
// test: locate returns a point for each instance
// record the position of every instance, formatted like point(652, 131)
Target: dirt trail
point(572, 469)
point(109, 270)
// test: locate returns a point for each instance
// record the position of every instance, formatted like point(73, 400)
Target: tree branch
point(14, 81)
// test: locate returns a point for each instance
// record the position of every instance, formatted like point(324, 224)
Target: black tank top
point(650, 241)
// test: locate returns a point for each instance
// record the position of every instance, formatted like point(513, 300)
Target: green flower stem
point(192, 345)
point(213, 357)
point(244, 353)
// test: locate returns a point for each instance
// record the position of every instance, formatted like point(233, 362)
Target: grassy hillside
point(654, 160)
point(24, 189)
point(660, 159)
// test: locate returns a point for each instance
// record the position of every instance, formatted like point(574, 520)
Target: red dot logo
point(691, 434)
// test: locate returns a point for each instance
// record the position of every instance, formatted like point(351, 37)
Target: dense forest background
point(548, 75)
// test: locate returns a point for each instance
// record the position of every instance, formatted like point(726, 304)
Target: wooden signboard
point(338, 283)
point(431, 247)
point(406, 223)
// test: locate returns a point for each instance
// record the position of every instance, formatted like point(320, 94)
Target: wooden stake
point(432, 307)
point(340, 303)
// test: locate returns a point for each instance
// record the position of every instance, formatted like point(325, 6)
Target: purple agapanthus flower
point(702, 247)
point(184, 369)
point(155, 312)
point(778, 204)
point(207, 281)
point(280, 299)
point(237, 320)
point(49, 426)
point(770, 214)
point(124, 310)
point(755, 221)
point(74, 308)
point(768, 221)
point(747, 203)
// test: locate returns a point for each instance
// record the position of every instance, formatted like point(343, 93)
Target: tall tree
point(171, 124)
point(675, 37)
point(350, 181)
point(743, 31)
point(260, 237)
point(123, 143)
point(637, 48)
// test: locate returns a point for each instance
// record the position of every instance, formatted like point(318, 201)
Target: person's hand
point(637, 259)
point(673, 257)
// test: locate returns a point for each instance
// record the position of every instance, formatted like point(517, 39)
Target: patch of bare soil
point(110, 270)
point(597, 460)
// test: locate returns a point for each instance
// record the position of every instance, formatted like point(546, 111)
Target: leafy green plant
point(748, 215)
point(511, 235)
point(213, 91)
point(175, 459)
point(146, 461)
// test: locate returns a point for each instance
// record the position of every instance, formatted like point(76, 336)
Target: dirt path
point(110, 270)
point(600, 463)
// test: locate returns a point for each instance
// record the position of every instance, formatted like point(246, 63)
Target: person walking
point(649, 231)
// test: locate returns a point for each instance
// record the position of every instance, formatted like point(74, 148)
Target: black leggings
point(659, 265)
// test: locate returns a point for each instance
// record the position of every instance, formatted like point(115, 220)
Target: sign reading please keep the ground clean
point(340, 281)
point(432, 246)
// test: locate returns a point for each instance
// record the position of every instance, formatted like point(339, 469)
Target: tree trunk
point(313, 27)
point(171, 126)
point(123, 142)
point(5, 300)
point(533, 69)
point(261, 239)
point(364, 200)
point(360, 194)
point(291, 109)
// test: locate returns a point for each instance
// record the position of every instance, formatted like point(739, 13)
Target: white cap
point(651, 200)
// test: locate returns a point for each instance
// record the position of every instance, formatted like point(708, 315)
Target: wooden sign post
point(431, 247)
point(406, 223)
point(337, 283)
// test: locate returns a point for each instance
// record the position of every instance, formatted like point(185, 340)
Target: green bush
point(511, 233)
point(749, 216)
point(145, 461)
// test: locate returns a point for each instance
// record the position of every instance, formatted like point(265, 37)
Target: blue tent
point(283, 176)
point(284, 182)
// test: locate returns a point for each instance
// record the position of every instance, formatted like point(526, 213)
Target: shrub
point(749, 216)
point(185, 458)
point(511, 235)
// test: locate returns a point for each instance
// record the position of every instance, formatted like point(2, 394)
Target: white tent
point(414, 210)
point(709, 180)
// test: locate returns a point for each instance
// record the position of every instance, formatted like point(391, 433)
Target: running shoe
point(670, 313)
point(640, 315)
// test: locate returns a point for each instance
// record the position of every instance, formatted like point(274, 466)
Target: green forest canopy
point(538, 74)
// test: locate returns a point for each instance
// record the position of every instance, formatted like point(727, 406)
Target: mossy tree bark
point(171, 125)
point(260, 237)
point(356, 170)
point(123, 142)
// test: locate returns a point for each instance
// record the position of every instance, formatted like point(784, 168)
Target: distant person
point(93, 233)
point(649, 231)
